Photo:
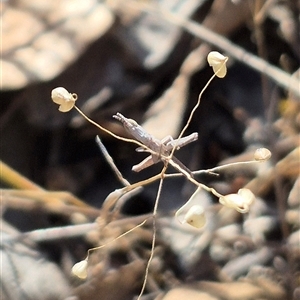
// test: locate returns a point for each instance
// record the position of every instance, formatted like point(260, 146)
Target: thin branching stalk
point(160, 151)
point(194, 109)
point(111, 163)
point(154, 231)
point(213, 171)
point(118, 237)
point(113, 134)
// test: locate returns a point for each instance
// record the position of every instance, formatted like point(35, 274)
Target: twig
point(52, 234)
point(118, 237)
point(15, 179)
point(154, 231)
point(71, 231)
point(30, 191)
point(113, 134)
point(110, 161)
point(57, 202)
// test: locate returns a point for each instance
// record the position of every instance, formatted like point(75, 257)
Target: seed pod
point(262, 154)
point(218, 62)
point(80, 269)
point(195, 216)
point(240, 201)
point(65, 99)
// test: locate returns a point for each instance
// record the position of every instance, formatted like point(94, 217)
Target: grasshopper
point(161, 148)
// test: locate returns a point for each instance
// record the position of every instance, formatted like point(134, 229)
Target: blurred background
point(147, 60)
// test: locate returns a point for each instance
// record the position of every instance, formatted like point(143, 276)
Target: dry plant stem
point(193, 180)
point(213, 170)
point(239, 163)
point(66, 232)
point(124, 221)
point(112, 134)
point(18, 201)
point(45, 196)
point(118, 237)
point(142, 183)
point(15, 179)
point(282, 78)
point(122, 200)
point(193, 111)
point(29, 189)
point(152, 284)
point(196, 106)
point(169, 158)
point(111, 163)
point(154, 230)
point(91, 104)
point(52, 234)
point(114, 196)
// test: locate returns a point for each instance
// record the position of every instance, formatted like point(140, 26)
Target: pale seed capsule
point(262, 154)
point(218, 62)
point(80, 269)
point(65, 99)
point(195, 216)
point(240, 201)
point(247, 195)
